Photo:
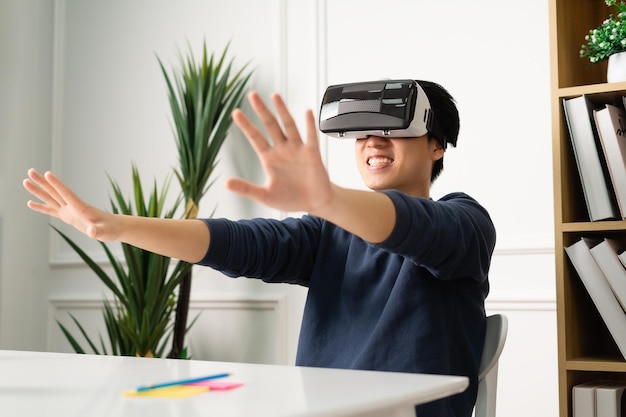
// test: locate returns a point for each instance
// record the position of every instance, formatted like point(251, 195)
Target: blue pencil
point(181, 382)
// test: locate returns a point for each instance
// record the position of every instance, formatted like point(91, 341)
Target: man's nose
point(376, 141)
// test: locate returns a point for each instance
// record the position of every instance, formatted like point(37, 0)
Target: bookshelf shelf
point(591, 89)
point(608, 226)
point(586, 349)
point(596, 364)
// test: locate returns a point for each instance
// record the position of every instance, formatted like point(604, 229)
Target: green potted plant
point(139, 320)
point(608, 42)
point(202, 96)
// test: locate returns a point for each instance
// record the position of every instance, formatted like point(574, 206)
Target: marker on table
point(181, 382)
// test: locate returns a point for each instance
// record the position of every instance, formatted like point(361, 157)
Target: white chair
point(495, 336)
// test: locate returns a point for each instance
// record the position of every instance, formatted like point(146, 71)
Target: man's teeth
point(379, 161)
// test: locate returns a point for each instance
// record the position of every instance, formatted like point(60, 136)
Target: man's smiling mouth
point(379, 161)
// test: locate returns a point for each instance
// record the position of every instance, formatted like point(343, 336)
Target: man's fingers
point(255, 137)
point(39, 193)
point(37, 185)
point(43, 181)
point(65, 194)
point(267, 118)
point(42, 208)
point(291, 129)
point(245, 189)
point(312, 139)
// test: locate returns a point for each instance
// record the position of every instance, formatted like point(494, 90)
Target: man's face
point(403, 164)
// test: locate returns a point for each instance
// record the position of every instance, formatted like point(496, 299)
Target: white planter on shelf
point(616, 71)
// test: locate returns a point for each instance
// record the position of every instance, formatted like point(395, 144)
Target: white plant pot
point(616, 71)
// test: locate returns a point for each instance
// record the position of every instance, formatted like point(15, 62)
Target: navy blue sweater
point(413, 303)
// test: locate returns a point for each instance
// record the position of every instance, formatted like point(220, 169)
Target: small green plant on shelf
point(609, 38)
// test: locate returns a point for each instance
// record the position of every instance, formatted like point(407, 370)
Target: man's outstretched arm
point(181, 239)
point(296, 180)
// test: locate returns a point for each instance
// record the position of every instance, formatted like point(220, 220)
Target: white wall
point(25, 120)
point(82, 94)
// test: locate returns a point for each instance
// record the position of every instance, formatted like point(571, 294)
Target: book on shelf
point(611, 125)
point(607, 255)
point(584, 400)
point(610, 400)
point(599, 197)
point(598, 399)
point(599, 290)
point(622, 258)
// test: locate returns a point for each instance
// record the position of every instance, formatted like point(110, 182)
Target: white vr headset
point(387, 108)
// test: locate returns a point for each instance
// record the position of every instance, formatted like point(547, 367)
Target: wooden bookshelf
point(586, 350)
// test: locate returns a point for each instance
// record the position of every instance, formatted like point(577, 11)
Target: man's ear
point(437, 150)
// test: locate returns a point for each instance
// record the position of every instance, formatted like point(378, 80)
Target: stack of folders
point(598, 136)
point(599, 399)
point(601, 266)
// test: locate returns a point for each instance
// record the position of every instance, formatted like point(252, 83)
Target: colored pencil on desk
point(181, 382)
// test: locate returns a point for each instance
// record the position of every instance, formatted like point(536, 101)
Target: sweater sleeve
point(453, 237)
point(269, 249)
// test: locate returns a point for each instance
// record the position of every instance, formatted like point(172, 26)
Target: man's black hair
point(446, 114)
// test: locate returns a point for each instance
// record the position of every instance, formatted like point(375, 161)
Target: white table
point(36, 384)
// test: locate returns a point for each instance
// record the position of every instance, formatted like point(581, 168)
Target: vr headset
point(386, 108)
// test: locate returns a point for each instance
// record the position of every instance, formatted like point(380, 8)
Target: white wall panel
point(227, 328)
point(239, 329)
point(527, 374)
point(25, 114)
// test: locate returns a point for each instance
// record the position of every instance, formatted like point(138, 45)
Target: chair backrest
point(495, 336)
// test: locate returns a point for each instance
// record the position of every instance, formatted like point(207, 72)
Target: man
point(396, 281)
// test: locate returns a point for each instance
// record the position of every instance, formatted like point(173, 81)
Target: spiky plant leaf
point(139, 320)
point(75, 345)
point(202, 96)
